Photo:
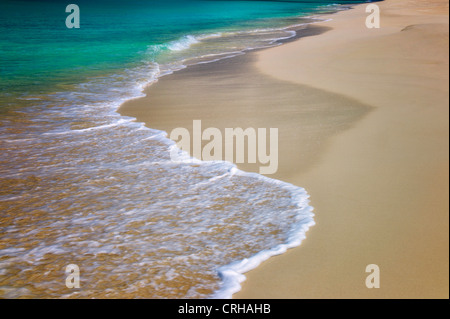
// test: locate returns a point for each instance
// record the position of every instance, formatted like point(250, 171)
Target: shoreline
point(295, 273)
point(389, 172)
point(177, 99)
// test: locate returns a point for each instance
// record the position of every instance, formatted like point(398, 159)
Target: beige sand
point(363, 122)
point(380, 191)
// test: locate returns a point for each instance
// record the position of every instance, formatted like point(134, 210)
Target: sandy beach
point(363, 126)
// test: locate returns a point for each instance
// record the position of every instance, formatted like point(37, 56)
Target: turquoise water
point(39, 54)
point(81, 184)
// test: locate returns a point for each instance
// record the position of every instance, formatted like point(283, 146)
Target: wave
point(182, 44)
point(232, 275)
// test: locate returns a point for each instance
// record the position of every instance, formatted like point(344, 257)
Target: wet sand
point(232, 93)
point(362, 116)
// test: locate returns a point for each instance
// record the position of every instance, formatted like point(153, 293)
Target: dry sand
point(380, 191)
point(363, 123)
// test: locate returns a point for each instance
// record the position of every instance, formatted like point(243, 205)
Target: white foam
point(183, 43)
point(232, 275)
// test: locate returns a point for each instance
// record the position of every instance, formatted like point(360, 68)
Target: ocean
point(81, 184)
